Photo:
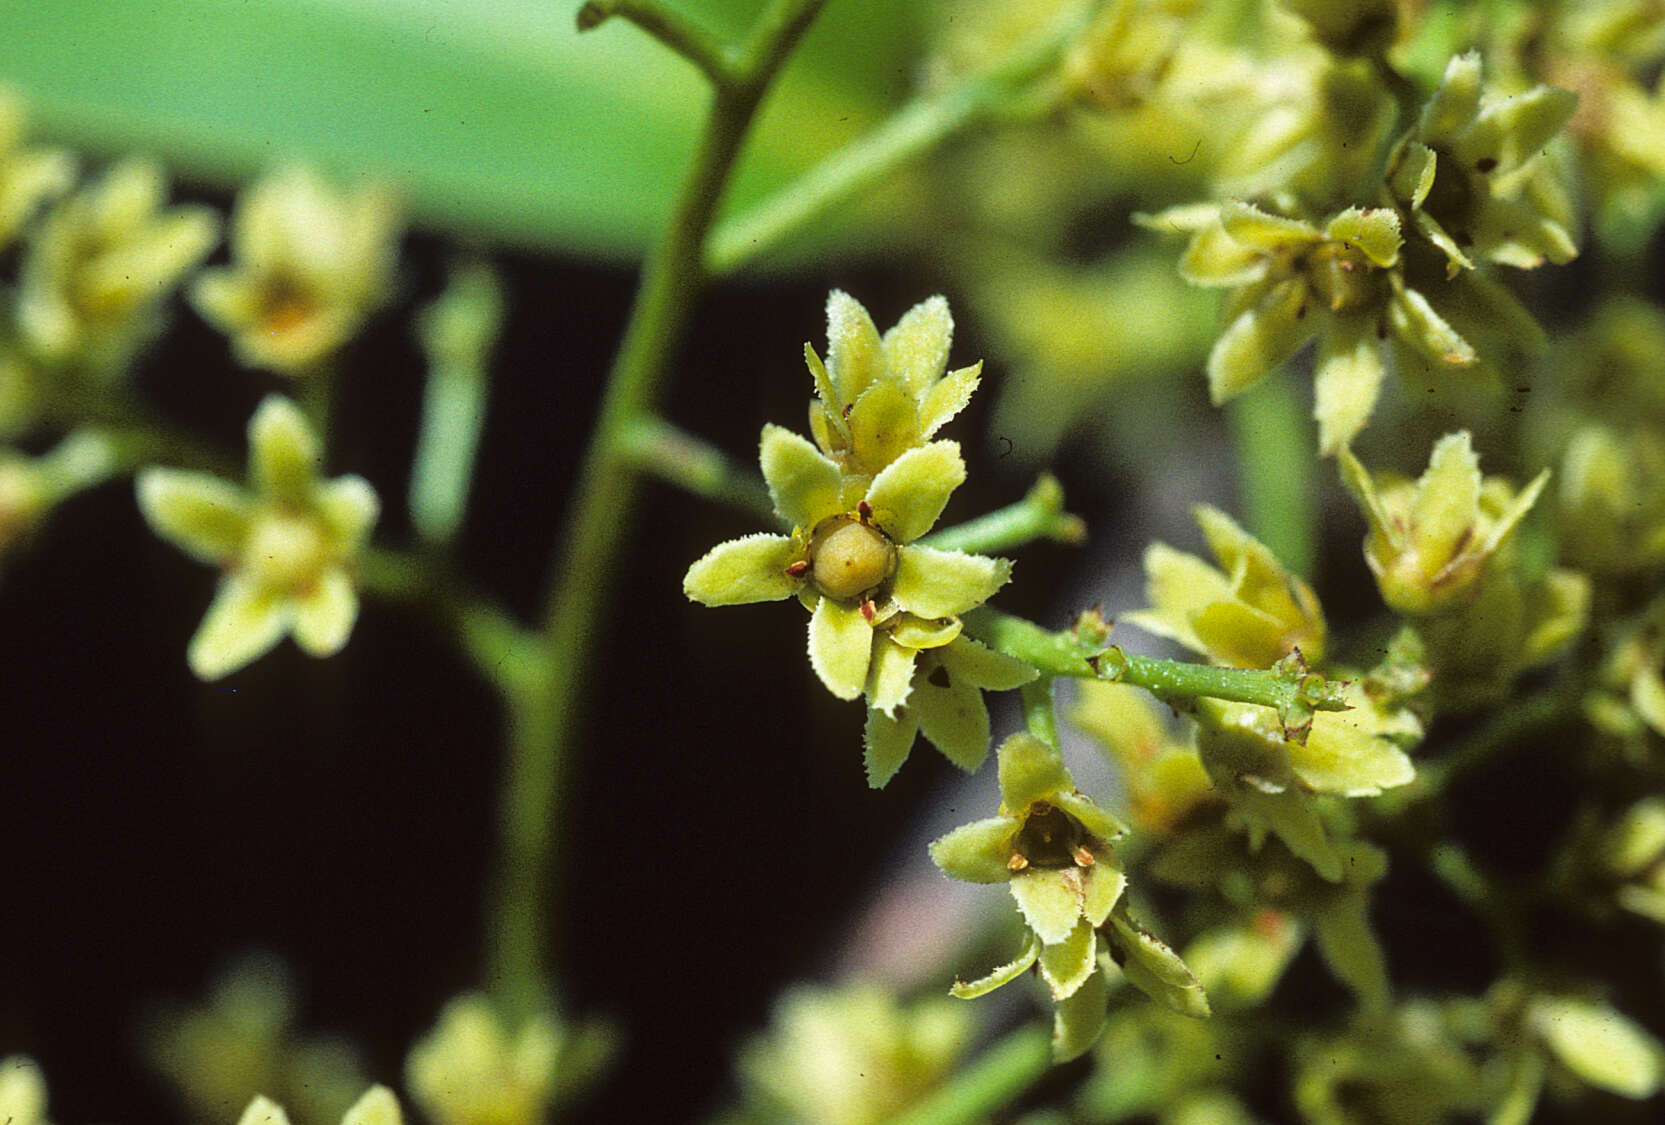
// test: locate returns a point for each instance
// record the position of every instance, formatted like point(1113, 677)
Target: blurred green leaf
point(495, 120)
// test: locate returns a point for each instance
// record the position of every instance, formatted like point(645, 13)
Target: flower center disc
point(850, 557)
point(284, 552)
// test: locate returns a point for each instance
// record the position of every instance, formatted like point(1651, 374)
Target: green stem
point(1058, 654)
point(586, 556)
point(678, 457)
point(912, 131)
point(1039, 515)
point(1274, 439)
point(671, 28)
point(1040, 715)
point(1003, 1072)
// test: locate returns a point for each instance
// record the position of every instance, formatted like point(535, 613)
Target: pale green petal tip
point(977, 852)
point(204, 516)
point(1030, 771)
point(886, 744)
point(932, 583)
point(916, 349)
point(282, 450)
point(324, 616)
point(741, 571)
point(242, 625)
point(263, 1111)
point(853, 345)
point(1066, 965)
point(1602, 1047)
point(1155, 969)
point(1078, 1021)
point(349, 506)
point(840, 646)
point(378, 1106)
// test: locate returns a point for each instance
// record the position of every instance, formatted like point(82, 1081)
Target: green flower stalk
point(95, 273)
point(1468, 175)
point(310, 266)
point(286, 550)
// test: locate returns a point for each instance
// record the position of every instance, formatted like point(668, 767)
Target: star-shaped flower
point(286, 549)
point(851, 557)
point(310, 266)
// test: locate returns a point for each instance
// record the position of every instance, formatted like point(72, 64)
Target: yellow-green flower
point(1250, 613)
point(286, 549)
point(851, 557)
point(880, 396)
point(1430, 540)
point(471, 1070)
point(310, 265)
point(1468, 176)
point(31, 486)
point(95, 273)
point(1051, 845)
point(1165, 782)
point(852, 1055)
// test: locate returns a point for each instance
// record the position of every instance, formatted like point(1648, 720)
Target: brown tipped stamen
point(869, 611)
point(1083, 856)
point(798, 569)
point(1017, 862)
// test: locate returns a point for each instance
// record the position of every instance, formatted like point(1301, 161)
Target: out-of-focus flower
point(31, 486)
point(287, 550)
point(377, 1106)
point(473, 1070)
point(22, 1091)
point(851, 1055)
point(96, 271)
point(309, 267)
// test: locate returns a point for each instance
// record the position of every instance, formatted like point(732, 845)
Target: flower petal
point(1066, 965)
point(1599, 1045)
point(977, 852)
point(263, 1111)
point(886, 744)
point(1092, 817)
point(993, 671)
point(202, 515)
point(909, 495)
point(1050, 899)
point(947, 398)
point(890, 676)
point(802, 481)
point(324, 616)
point(854, 356)
point(283, 453)
point(1101, 889)
point(1030, 771)
point(740, 571)
point(1259, 340)
point(916, 348)
point(954, 718)
point(377, 1106)
point(242, 624)
point(933, 583)
point(1153, 968)
point(1453, 106)
point(349, 506)
point(1078, 1021)
point(840, 646)
point(1347, 378)
point(1010, 971)
point(884, 423)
